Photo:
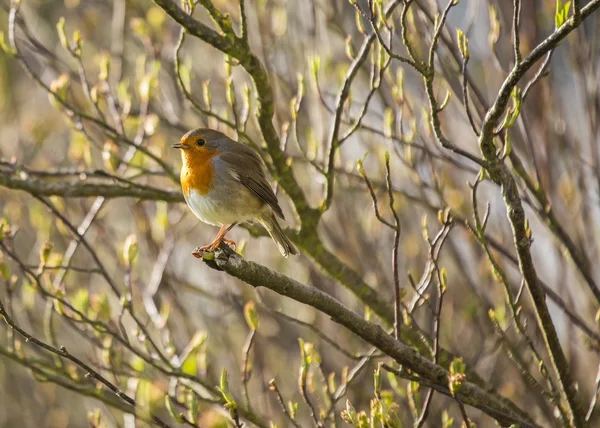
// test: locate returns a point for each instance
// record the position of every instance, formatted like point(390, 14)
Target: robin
point(224, 184)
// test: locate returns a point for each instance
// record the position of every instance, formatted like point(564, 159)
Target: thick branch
point(260, 276)
point(85, 188)
point(500, 174)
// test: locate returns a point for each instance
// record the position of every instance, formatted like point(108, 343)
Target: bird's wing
point(247, 167)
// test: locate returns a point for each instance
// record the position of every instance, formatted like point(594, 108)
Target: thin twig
point(273, 387)
point(62, 352)
point(245, 374)
point(515, 23)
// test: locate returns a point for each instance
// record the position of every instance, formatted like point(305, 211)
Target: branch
point(86, 188)
point(500, 174)
point(260, 276)
point(90, 372)
point(495, 112)
point(344, 93)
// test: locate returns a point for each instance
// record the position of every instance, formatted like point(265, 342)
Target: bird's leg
point(217, 241)
point(229, 242)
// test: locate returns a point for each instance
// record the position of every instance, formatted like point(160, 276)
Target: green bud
point(45, 252)
point(110, 156)
point(463, 43)
point(445, 102)
point(293, 110)
point(388, 122)
point(77, 42)
point(104, 66)
point(457, 375)
point(562, 13)
point(4, 271)
point(377, 379)
point(62, 34)
point(188, 5)
point(494, 26)
point(130, 249)
point(349, 414)
point(224, 388)
point(425, 227)
point(177, 417)
point(443, 280)
point(292, 409)
point(230, 91)
point(251, 315)
point(206, 94)
point(348, 48)
point(301, 89)
point(331, 384)
point(60, 88)
point(228, 66)
point(5, 47)
point(315, 65)
point(145, 86)
point(139, 27)
point(507, 146)
point(359, 22)
point(192, 405)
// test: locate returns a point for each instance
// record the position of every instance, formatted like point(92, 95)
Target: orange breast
point(197, 173)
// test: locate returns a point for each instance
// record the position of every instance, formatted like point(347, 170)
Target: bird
point(224, 184)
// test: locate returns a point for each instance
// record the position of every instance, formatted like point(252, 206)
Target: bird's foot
point(230, 242)
point(199, 251)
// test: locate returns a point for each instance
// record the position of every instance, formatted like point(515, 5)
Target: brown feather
point(249, 168)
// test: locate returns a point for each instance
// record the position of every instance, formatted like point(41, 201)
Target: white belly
point(216, 211)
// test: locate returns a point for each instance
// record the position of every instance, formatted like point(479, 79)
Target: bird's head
point(200, 142)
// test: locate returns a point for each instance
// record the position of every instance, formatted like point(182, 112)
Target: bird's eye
point(201, 141)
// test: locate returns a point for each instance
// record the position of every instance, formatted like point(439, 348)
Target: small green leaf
point(230, 91)
point(192, 405)
point(445, 102)
point(359, 22)
point(177, 417)
point(138, 364)
point(463, 43)
point(206, 94)
point(251, 315)
point(562, 13)
point(507, 146)
point(130, 249)
point(104, 66)
point(4, 45)
point(494, 26)
point(4, 271)
point(190, 364)
point(62, 34)
point(377, 379)
point(224, 388)
point(457, 375)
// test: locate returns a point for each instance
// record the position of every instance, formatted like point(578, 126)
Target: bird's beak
point(178, 146)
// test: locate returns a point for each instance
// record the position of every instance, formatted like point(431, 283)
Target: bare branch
point(259, 276)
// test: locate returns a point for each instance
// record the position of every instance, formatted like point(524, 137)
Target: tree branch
point(500, 174)
point(85, 188)
point(260, 276)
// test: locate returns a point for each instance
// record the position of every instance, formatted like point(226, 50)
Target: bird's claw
point(199, 251)
point(231, 243)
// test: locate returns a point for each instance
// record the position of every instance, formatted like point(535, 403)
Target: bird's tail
point(284, 245)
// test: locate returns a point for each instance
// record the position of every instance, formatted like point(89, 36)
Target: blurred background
point(98, 157)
